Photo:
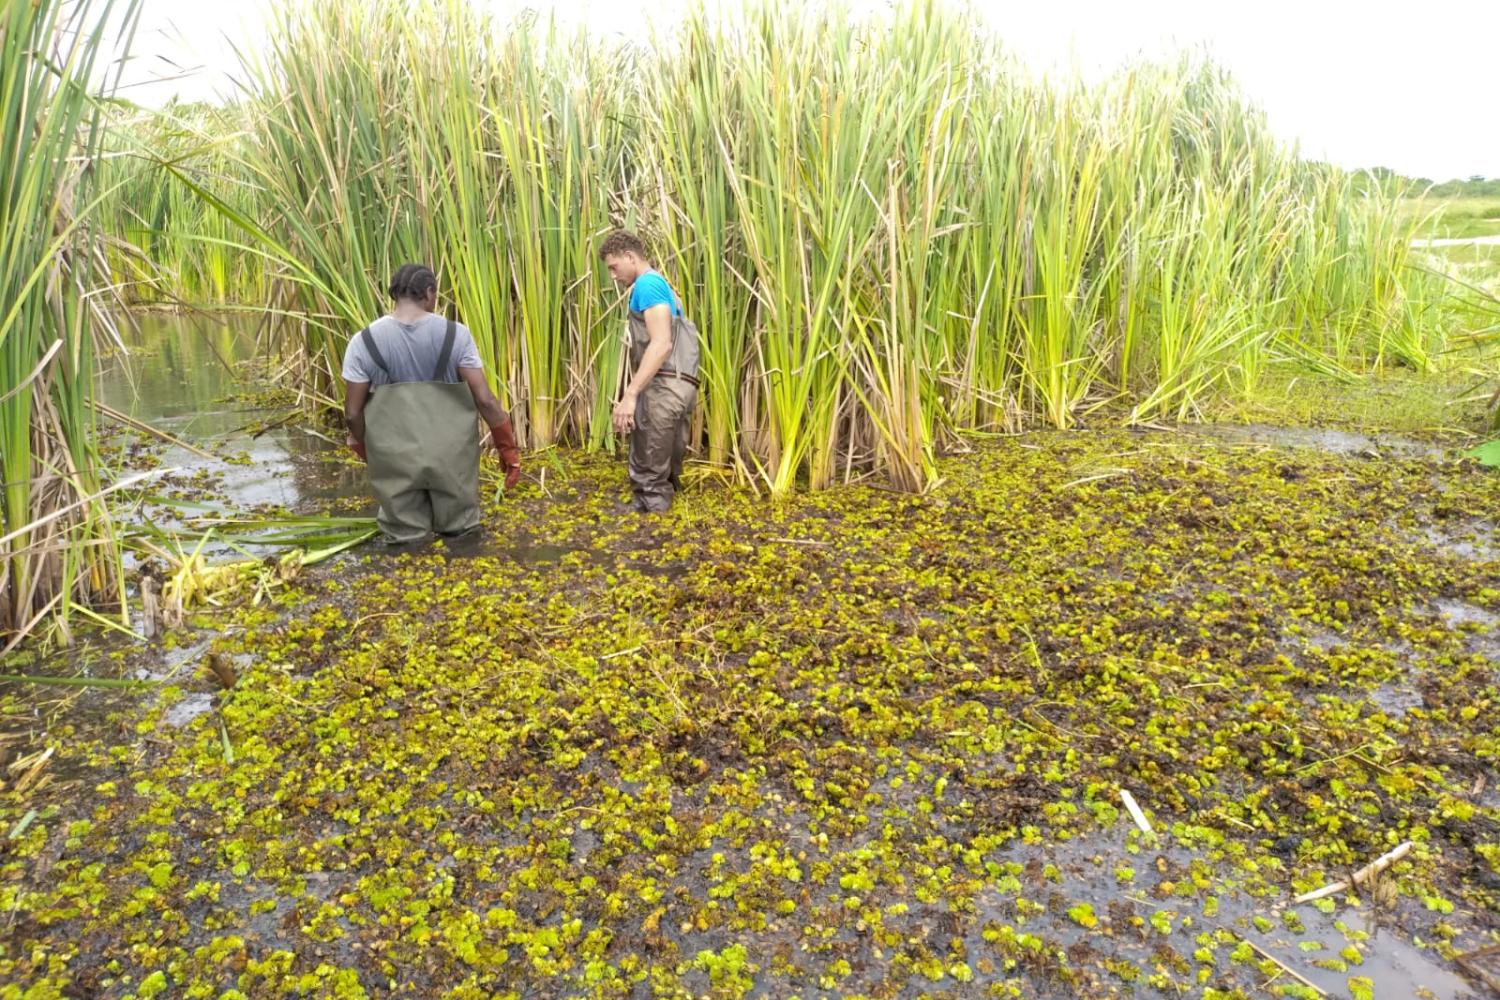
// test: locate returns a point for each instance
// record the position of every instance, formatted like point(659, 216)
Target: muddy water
point(1144, 910)
point(1326, 439)
point(184, 375)
point(191, 376)
point(1088, 870)
point(187, 376)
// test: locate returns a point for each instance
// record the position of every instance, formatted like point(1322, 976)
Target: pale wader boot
point(422, 440)
point(663, 412)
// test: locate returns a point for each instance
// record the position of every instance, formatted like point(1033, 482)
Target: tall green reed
point(890, 236)
point(59, 546)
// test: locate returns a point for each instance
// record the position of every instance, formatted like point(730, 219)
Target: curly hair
point(412, 281)
point(622, 241)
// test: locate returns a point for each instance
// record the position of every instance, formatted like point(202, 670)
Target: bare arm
point(355, 396)
point(485, 402)
point(658, 349)
point(659, 329)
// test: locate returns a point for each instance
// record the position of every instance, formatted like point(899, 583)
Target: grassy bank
point(1454, 218)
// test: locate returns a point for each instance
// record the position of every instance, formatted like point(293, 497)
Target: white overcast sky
point(1415, 87)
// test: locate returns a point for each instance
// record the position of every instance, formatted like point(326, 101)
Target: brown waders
point(662, 413)
point(660, 439)
point(422, 439)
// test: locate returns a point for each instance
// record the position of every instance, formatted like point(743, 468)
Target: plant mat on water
point(694, 755)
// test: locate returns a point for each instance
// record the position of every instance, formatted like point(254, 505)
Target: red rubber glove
point(510, 456)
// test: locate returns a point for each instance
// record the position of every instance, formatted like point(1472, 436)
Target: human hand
point(624, 415)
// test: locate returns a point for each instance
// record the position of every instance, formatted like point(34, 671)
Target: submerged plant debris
point(854, 744)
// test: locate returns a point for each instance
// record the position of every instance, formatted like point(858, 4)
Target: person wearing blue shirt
point(657, 405)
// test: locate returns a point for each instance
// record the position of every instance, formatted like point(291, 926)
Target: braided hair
point(412, 281)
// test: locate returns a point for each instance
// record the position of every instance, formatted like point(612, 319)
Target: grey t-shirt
point(411, 352)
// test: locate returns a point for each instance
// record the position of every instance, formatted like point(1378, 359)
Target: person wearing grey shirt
point(410, 350)
point(414, 382)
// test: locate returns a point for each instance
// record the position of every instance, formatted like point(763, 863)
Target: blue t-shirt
point(651, 289)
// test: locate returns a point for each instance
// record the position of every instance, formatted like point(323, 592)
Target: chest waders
point(663, 412)
point(422, 441)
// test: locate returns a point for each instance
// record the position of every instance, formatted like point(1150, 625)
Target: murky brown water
point(187, 375)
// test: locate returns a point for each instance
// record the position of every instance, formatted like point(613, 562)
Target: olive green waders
point(422, 443)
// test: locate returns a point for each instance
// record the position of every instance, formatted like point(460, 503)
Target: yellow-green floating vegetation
point(858, 744)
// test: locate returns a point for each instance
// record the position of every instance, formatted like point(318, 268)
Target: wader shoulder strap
point(374, 352)
point(439, 374)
